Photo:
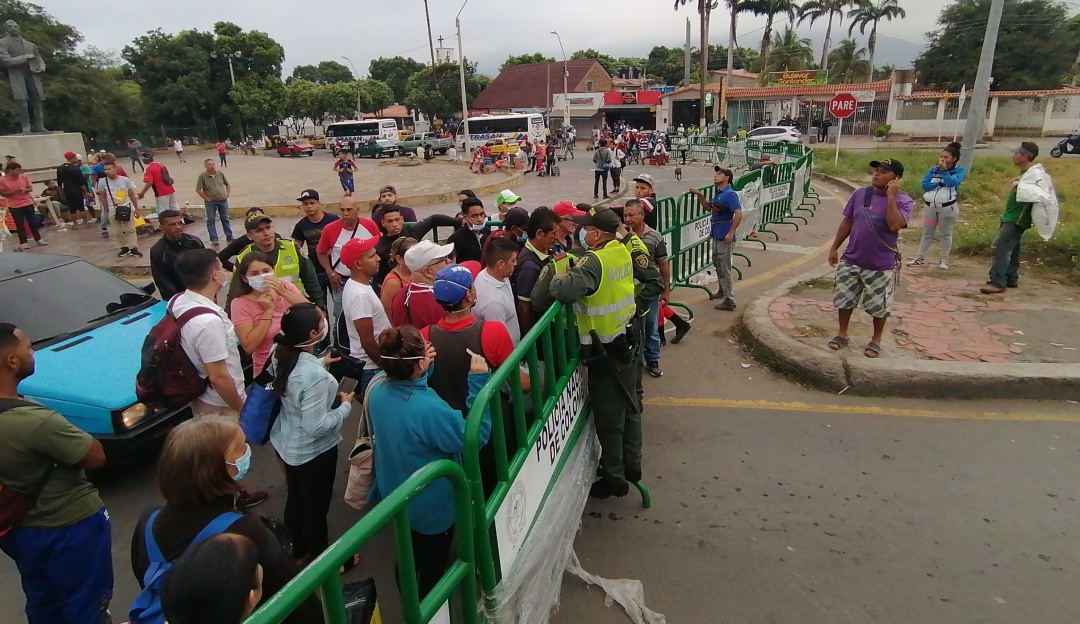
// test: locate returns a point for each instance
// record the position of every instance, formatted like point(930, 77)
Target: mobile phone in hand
point(347, 385)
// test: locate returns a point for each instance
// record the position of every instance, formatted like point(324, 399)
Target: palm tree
point(770, 9)
point(814, 10)
point(704, 8)
point(847, 62)
point(866, 13)
point(790, 53)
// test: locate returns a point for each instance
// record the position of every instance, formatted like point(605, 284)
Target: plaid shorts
point(873, 290)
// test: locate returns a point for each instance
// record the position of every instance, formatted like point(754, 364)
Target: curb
point(292, 210)
point(848, 184)
point(903, 378)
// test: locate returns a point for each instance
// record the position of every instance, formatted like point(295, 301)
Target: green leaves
point(525, 59)
point(438, 94)
point(395, 72)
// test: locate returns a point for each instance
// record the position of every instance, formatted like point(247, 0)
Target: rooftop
point(937, 95)
point(529, 85)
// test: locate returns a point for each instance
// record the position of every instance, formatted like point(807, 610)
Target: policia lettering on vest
point(600, 286)
point(289, 264)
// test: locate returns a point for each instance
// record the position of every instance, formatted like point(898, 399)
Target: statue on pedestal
point(24, 67)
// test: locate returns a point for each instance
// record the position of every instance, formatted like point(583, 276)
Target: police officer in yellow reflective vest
point(288, 262)
point(601, 288)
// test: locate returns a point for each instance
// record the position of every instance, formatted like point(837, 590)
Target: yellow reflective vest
point(288, 260)
point(611, 307)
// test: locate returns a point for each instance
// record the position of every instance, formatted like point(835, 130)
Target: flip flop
point(838, 343)
point(872, 347)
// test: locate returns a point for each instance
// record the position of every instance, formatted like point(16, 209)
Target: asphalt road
point(777, 503)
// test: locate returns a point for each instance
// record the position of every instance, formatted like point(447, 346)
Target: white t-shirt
point(177, 146)
point(358, 233)
point(495, 302)
point(359, 301)
point(209, 338)
point(117, 192)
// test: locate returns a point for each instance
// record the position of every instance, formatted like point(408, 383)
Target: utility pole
point(981, 90)
point(232, 77)
point(686, 56)
point(565, 80)
point(704, 7)
point(431, 42)
point(359, 113)
point(461, 75)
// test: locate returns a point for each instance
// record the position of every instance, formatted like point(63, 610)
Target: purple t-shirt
point(864, 250)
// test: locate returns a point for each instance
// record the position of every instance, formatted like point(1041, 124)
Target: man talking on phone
point(866, 273)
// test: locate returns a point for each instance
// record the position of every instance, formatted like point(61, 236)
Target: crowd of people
point(417, 324)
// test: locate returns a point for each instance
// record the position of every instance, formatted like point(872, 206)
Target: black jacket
point(416, 230)
point(467, 246)
point(162, 260)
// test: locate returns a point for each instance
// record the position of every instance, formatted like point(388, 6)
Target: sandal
point(874, 348)
point(838, 343)
point(350, 564)
point(916, 262)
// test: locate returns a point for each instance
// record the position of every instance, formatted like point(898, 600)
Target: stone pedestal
point(40, 154)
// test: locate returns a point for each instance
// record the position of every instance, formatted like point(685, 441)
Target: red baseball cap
point(69, 154)
point(473, 266)
point(351, 251)
point(567, 209)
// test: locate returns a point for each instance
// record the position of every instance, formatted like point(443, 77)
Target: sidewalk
point(944, 338)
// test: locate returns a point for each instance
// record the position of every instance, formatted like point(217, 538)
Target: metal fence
point(151, 138)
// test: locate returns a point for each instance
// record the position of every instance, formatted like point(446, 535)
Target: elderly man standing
point(866, 275)
point(214, 189)
point(25, 67)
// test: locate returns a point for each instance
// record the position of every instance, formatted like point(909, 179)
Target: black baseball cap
point(727, 172)
point(308, 194)
point(891, 164)
point(600, 217)
point(516, 217)
point(1029, 149)
point(253, 221)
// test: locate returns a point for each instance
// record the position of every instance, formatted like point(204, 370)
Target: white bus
point(341, 132)
point(513, 127)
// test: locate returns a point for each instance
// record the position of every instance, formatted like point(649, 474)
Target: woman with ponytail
point(412, 427)
point(941, 187)
point(308, 429)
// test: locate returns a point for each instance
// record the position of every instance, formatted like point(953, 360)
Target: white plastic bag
point(1036, 187)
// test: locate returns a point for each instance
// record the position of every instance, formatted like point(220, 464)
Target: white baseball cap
point(506, 196)
point(424, 253)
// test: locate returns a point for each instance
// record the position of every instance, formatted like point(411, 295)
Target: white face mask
point(221, 282)
point(258, 282)
point(314, 341)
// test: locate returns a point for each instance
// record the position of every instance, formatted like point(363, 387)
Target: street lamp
point(232, 76)
point(358, 92)
point(565, 79)
point(461, 75)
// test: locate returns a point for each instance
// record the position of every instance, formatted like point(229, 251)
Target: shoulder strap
point(153, 553)
point(217, 525)
point(190, 314)
point(351, 236)
point(7, 404)
point(365, 419)
point(868, 196)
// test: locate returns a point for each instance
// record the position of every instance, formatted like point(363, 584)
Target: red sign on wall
point(630, 98)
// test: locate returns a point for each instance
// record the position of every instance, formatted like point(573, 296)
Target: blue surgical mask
point(581, 234)
point(477, 228)
point(242, 464)
point(521, 238)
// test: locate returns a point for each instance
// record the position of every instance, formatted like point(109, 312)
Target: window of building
point(589, 85)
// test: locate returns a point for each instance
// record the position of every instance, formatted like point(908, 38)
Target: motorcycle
point(1070, 145)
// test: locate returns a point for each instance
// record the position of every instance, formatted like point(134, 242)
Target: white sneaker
point(42, 243)
point(944, 266)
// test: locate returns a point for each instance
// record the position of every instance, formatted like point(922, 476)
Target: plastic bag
point(1036, 187)
point(362, 602)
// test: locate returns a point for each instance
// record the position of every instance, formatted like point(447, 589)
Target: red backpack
point(167, 378)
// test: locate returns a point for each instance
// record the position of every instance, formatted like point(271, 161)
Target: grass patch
point(814, 282)
point(982, 198)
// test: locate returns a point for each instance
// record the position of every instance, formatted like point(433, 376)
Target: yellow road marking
point(797, 406)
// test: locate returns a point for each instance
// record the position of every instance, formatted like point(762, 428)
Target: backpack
point(166, 179)
point(167, 378)
point(146, 609)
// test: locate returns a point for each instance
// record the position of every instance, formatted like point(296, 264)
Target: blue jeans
point(215, 209)
point(652, 332)
point(67, 573)
point(1005, 252)
point(365, 379)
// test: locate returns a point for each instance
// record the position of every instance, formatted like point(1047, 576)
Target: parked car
point(87, 327)
point(502, 147)
point(422, 139)
point(319, 142)
point(777, 134)
point(377, 148)
point(296, 148)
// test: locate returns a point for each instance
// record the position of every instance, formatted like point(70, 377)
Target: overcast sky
point(315, 30)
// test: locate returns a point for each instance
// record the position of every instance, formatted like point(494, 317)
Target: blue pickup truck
point(87, 327)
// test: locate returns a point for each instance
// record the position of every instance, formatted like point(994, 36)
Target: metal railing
point(322, 575)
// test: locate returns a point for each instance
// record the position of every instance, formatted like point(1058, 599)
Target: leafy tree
point(814, 10)
point(185, 77)
point(1073, 27)
point(745, 58)
point(866, 13)
point(302, 101)
point(1030, 30)
point(608, 62)
point(847, 63)
point(790, 52)
point(438, 94)
point(395, 72)
point(525, 59)
point(884, 72)
point(770, 9)
point(84, 92)
point(260, 101)
point(326, 72)
point(340, 101)
point(379, 94)
point(666, 64)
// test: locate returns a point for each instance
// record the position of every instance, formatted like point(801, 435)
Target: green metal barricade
point(322, 575)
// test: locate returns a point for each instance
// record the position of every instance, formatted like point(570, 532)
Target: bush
point(883, 130)
point(982, 200)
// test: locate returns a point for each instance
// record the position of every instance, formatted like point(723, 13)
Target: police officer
point(289, 264)
point(601, 287)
